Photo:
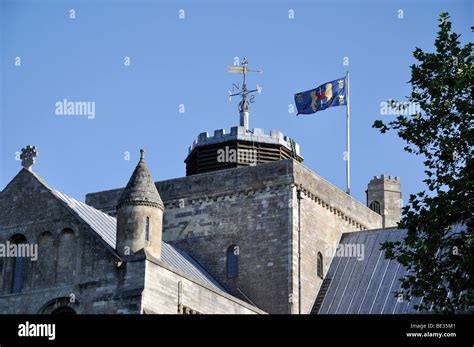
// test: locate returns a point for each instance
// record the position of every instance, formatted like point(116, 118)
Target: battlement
point(241, 134)
point(240, 147)
point(384, 197)
point(385, 178)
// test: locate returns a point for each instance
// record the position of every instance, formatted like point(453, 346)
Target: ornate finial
point(28, 156)
point(142, 154)
point(243, 92)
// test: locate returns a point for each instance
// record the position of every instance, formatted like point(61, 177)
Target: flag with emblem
point(334, 93)
point(326, 95)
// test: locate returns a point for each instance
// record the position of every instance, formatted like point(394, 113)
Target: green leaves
point(378, 124)
point(443, 133)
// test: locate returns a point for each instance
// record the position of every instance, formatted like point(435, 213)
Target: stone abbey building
point(248, 230)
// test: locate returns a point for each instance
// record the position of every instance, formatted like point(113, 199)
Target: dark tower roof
point(141, 189)
point(241, 147)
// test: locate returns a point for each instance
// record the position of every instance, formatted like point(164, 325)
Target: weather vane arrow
point(246, 94)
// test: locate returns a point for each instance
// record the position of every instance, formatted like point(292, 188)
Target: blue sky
point(177, 61)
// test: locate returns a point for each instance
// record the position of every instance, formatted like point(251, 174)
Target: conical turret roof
point(141, 189)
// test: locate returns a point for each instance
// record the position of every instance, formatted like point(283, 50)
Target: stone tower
point(140, 214)
point(241, 147)
point(384, 197)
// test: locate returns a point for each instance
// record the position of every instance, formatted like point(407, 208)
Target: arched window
point(147, 229)
point(319, 265)
point(64, 310)
point(18, 267)
point(375, 206)
point(233, 261)
point(61, 305)
point(66, 262)
point(44, 267)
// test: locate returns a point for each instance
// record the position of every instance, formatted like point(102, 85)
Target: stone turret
point(384, 197)
point(140, 214)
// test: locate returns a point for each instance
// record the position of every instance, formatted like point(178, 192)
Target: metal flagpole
point(348, 135)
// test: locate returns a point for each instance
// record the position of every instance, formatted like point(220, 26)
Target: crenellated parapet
point(384, 196)
point(238, 148)
point(239, 133)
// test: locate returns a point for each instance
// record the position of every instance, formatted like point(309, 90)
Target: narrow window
point(66, 263)
point(233, 261)
point(147, 229)
point(19, 266)
point(375, 206)
point(319, 265)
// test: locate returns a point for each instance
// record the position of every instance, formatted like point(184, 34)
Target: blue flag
point(318, 99)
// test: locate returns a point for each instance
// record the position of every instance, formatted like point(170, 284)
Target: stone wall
point(248, 207)
point(326, 212)
point(75, 268)
point(386, 191)
point(256, 208)
point(170, 292)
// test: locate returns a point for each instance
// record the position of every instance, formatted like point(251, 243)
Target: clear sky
point(177, 61)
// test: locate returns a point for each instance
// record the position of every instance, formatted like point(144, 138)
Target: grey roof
point(100, 222)
point(140, 187)
point(105, 226)
point(365, 286)
point(180, 260)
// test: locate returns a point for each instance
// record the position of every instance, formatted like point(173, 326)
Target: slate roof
point(140, 187)
point(105, 226)
point(366, 286)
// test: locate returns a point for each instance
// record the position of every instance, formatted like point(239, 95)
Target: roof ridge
point(94, 224)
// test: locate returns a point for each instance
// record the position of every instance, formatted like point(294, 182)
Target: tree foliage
point(438, 249)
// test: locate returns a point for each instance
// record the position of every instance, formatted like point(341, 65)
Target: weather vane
point(247, 98)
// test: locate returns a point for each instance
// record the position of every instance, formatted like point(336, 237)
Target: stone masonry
point(256, 208)
point(77, 271)
point(74, 267)
point(280, 219)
